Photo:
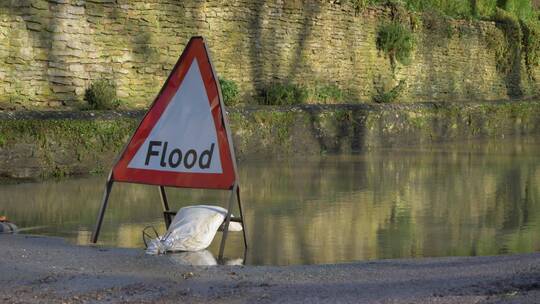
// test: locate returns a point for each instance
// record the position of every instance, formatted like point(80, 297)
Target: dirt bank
point(48, 270)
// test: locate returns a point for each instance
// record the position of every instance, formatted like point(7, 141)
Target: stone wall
point(57, 143)
point(51, 50)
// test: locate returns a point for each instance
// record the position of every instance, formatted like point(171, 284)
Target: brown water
point(460, 199)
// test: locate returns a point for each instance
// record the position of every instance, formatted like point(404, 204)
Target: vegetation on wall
point(292, 94)
point(256, 56)
point(326, 93)
point(438, 24)
point(101, 95)
point(508, 46)
point(396, 41)
point(229, 91)
point(467, 9)
point(531, 42)
point(517, 42)
point(522, 9)
point(389, 95)
point(66, 146)
point(284, 94)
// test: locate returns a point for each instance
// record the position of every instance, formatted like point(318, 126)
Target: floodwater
point(458, 199)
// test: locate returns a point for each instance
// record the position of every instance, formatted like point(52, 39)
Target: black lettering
point(178, 154)
point(151, 151)
point(162, 162)
point(208, 153)
point(190, 164)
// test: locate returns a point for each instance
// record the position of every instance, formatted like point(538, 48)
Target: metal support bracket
point(101, 214)
point(235, 194)
point(165, 205)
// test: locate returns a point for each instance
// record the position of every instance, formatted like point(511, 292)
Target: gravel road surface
point(49, 270)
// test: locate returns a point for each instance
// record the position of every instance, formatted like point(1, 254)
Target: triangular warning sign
point(182, 141)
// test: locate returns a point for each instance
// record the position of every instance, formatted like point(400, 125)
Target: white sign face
point(184, 138)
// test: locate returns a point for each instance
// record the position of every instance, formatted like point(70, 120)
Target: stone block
point(40, 4)
point(55, 80)
point(58, 73)
point(77, 68)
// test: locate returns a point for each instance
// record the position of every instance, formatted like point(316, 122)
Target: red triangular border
point(196, 48)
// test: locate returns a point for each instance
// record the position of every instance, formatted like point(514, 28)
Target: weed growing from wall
point(396, 41)
point(101, 95)
point(229, 90)
point(284, 94)
point(388, 96)
point(329, 93)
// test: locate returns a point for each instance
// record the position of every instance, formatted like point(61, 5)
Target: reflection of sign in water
point(182, 141)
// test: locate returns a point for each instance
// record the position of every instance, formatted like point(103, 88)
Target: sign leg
point(101, 214)
point(227, 222)
point(242, 217)
point(165, 205)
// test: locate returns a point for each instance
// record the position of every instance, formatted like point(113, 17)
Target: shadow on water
point(472, 198)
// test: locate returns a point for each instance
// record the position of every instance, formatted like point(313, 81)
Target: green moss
point(59, 140)
point(64, 146)
point(275, 126)
point(418, 121)
point(238, 121)
point(343, 115)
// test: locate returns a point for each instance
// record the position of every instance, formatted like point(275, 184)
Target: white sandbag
point(192, 229)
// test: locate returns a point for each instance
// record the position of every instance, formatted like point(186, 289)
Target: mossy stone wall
point(51, 50)
point(57, 143)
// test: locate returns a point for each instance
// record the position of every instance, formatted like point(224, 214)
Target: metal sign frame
point(167, 213)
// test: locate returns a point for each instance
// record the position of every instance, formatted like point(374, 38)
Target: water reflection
point(201, 258)
point(197, 258)
point(473, 198)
